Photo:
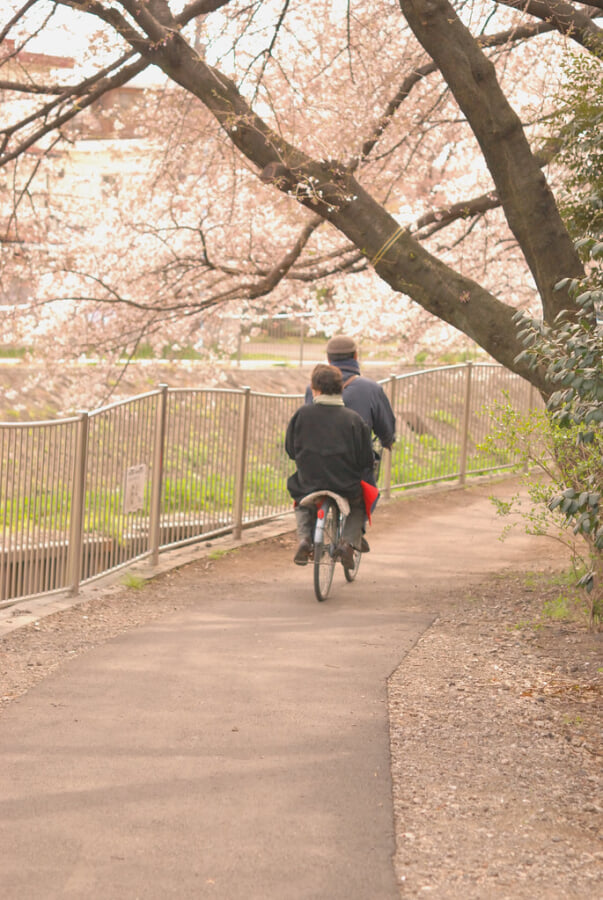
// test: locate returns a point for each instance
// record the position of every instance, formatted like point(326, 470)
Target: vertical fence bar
point(466, 420)
point(240, 472)
point(386, 461)
point(531, 408)
point(76, 531)
point(239, 345)
point(5, 514)
point(157, 476)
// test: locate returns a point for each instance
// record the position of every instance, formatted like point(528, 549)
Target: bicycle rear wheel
point(324, 550)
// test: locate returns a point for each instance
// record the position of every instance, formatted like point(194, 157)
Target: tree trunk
point(525, 196)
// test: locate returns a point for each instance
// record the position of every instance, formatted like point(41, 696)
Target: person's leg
point(352, 529)
point(304, 519)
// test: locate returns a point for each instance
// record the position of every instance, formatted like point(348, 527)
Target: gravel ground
point(495, 734)
point(496, 751)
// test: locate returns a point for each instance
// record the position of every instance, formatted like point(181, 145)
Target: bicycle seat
point(342, 503)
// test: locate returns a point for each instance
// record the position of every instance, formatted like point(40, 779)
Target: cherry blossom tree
point(399, 144)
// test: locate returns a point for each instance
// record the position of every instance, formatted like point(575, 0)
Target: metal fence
point(442, 417)
point(84, 496)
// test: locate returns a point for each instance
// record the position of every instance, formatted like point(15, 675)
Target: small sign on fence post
point(136, 479)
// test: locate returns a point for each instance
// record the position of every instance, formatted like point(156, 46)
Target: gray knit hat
point(341, 347)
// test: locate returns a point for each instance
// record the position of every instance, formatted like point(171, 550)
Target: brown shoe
point(364, 545)
point(345, 553)
point(302, 554)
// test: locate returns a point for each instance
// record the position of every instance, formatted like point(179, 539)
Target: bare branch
point(16, 18)
point(81, 101)
point(565, 18)
point(284, 265)
point(24, 191)
point(464, 210)
point(511, 35)
point(27, 88)
point(268, 52)
point(112, 17)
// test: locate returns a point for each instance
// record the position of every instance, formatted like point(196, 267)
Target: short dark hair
point(327, 379)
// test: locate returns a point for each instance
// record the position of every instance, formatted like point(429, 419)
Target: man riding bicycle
point(332, 449)
point(364, 396)
point(361, 394)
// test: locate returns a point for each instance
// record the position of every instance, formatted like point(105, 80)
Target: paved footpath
point(237, 748)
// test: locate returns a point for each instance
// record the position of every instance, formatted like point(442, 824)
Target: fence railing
point(84, 496)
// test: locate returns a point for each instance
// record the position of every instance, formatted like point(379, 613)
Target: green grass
point(13, 352)
point(566, 606)
point(558, 608)
point(218, 554)
point(442, 415)
point(133, 581)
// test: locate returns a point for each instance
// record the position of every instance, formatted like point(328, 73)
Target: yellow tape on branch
point(389, 242)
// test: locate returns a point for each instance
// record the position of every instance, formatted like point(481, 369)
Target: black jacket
point(368, 399)
point(331, 446)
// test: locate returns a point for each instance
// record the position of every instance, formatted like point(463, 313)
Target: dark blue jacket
point(368, 399)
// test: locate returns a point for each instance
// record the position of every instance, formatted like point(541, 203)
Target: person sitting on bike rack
point(364, 396)
point(332, 449)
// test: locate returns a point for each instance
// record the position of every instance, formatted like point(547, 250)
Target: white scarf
point(329, 399)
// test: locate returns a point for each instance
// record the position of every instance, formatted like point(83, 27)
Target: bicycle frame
point(331, 512)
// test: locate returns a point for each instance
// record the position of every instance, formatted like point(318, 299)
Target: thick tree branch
point(199, 8)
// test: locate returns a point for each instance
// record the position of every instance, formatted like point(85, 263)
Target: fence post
point(239, 345)
point(237, 529)
point(466, 420)
point(78, 500)
point(157, 476)
point(387, 455)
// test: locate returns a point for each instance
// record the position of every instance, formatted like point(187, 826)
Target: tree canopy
point(404, 140)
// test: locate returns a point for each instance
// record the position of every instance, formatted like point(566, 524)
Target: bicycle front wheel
point(324, 550)
point(350, 574)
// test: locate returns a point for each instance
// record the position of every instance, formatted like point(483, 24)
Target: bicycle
point(331, 512)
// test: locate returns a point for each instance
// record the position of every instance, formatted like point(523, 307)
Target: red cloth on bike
point(370, 494)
